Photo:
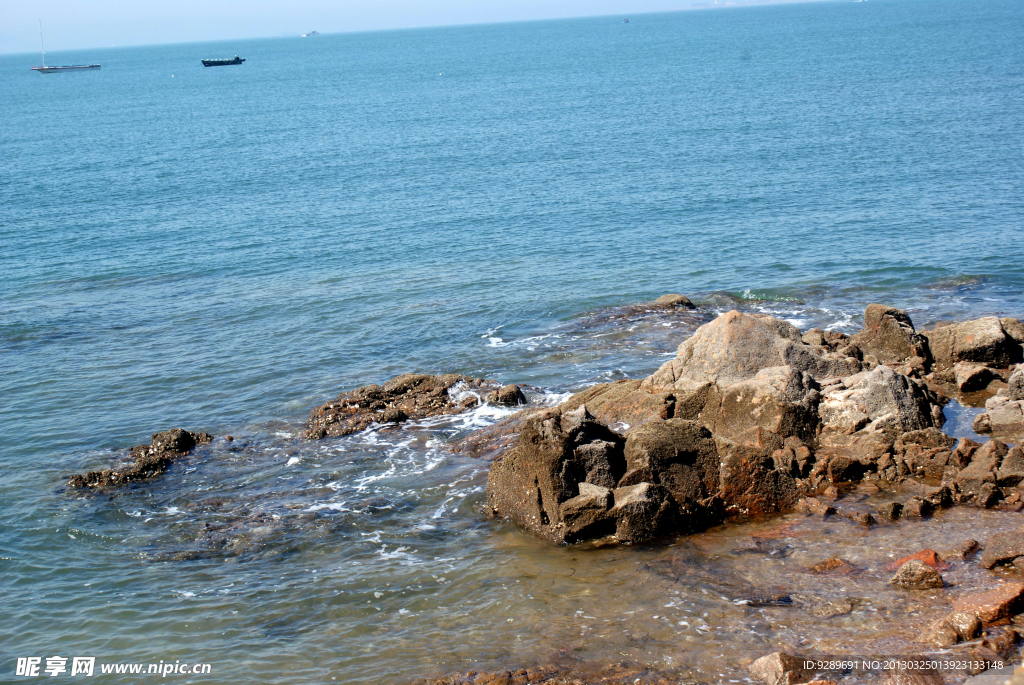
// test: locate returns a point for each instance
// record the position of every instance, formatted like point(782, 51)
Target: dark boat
point(222, 62)
point(70, 67)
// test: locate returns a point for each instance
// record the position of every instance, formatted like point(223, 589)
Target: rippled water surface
point(222, 249)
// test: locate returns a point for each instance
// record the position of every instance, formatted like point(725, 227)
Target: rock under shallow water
point(149, 460)
point(407, 397)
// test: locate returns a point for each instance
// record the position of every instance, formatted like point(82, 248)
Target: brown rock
point(642, 512)
point(508, 395)
point(763, 411)
point(623, 402)
point(916, 575)
point(674, 301)
point(735, 346)
point(971, 376)
point(953, 629)
point(1002, 548)
point(780, 668)
point(407, 397)
point(751, 486)
point(833, 566)
point(890, 511)
point(992, 605)
point(917, 507)
point(985, 463)
point(889, 335)
point(149, 460)
point(982, 340)
point(812, 505)
point(678, 454)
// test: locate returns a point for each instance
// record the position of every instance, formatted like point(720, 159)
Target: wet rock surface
point(403, 398)
point(147, 460)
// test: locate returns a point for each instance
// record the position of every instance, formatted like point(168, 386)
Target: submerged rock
point(149, 460)
point(780, 668)
point(953, 629)
point(407, 397)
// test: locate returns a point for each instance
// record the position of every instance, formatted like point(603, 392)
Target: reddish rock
point(833, 566)
point(1002, 602)
point(812, 505)
point(927, 556)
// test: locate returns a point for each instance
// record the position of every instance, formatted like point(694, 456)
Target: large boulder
point(983, 468)
point(983, 341)
point(736, 346)
point(1003, 417)
point(889, 335)
point(407, 397)
point(147, 461)
point(751, 484)
point(555, 483)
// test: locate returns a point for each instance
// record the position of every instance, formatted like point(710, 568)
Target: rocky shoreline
point(752, 418)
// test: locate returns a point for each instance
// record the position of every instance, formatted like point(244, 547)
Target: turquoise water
point(222, 249)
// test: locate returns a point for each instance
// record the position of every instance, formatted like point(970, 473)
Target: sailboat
point(47, 70)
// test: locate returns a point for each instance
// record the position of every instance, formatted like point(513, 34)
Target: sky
point(79, 24)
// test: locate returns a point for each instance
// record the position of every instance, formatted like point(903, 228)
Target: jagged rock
point(917, 507)
point(833, 340)
point(761, 412)
point(812, 505)
point(880, 400)
point(587, 515)
point(1001, 602)
point(736, 346)
point(1015, 385)
point(889, 335)
point(971, 376)
point(916, 575)
point(149, 460)
point(678, 454)
point(1011, 470)
point(407, 397)
point(985, 463)
point(642, 512)
point(953, 629)
point(1002, 548)
point(890, 511)
point(794, 458)
point(529, 483)
point(982, 340)
point(751, 485)
point(508, 395)
point(924, 453)
point(1003, 418)
point(780, 668)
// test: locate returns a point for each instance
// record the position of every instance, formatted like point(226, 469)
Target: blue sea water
point(222, 249)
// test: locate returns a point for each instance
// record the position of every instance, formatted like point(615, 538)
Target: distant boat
point(222, 62)
point(310, 34)
point(49, 70)
point(625, 21)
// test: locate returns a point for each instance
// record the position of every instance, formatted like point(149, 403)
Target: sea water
point(223, 249)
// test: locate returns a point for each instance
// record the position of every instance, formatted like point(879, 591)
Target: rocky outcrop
point(147, 460)
point(407, 397)
point(563, 481)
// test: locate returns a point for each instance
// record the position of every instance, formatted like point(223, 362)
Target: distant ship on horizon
point(222, 62)
point(67, 67)
point(310, 34)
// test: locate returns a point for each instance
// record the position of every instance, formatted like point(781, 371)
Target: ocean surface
point(223, 249)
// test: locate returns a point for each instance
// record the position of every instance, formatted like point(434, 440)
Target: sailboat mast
point(42, 48)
